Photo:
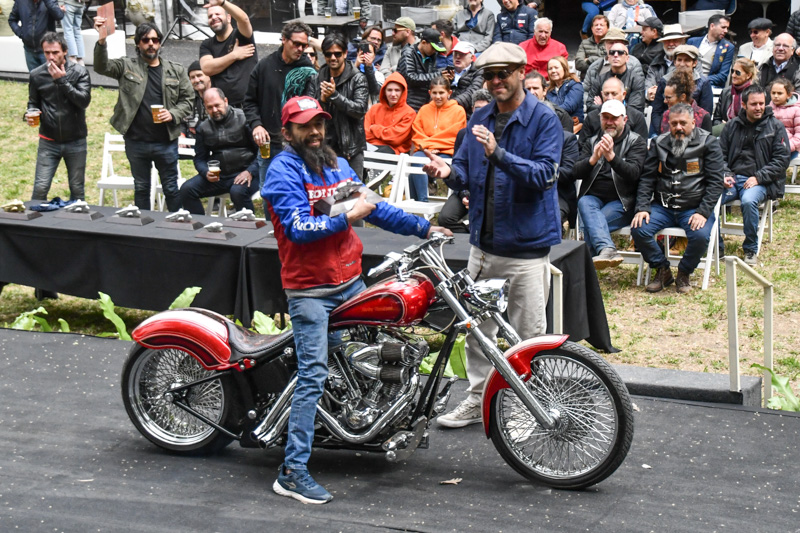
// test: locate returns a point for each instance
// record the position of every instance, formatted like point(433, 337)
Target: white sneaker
point(468, 412)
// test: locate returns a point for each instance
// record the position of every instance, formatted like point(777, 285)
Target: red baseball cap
point(301, 109)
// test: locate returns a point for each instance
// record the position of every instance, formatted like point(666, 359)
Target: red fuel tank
point(390, 303)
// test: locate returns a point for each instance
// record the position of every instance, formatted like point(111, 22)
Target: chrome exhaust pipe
point(272, 435)
point(283, 403)
point(332, 424)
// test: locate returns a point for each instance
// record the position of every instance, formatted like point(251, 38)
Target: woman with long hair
point(565, 89)
point(743, 75)
point(679, 90)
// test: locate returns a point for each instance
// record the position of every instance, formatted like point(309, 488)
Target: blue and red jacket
point(315, 249)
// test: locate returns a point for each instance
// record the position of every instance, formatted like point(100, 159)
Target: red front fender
point(201, 333)
point(519, 357)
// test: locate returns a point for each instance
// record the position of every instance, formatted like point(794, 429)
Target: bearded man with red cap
point(320, 267)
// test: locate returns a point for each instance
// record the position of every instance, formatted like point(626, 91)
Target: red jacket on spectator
point(391, 126)
point(538, 56)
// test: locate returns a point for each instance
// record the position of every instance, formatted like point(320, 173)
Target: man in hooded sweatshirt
point(387, 124)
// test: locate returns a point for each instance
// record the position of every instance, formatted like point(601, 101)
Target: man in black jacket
point(61, 90)
point(344, 94)
point(756, 152)
point(265, 90)
point(609, 167)
point(467, 79)
point(783, 63)
point(680, 185)
point(30, 20)
point(418, 67)
point(613, 89)
point(225, 137)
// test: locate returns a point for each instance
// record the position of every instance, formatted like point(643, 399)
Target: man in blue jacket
point(509, 163)
point(320, 267)
point(514, 23)
point(30, 20)
point(716, 52)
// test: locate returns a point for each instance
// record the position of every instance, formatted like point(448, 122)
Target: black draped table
point(146, 267)
point(143, 267)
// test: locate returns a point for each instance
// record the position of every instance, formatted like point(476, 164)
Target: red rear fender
point(519, 357)
point(201, 333)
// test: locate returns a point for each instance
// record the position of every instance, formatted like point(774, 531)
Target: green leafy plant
point(456, 366)
point(786, 399)
point(184, 299)
point(28, 321)
point(265, 325)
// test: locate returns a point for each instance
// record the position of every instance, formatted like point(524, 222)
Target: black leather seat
point(245, 343)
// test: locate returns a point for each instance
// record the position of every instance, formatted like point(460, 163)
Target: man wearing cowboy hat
point(509, 163)
point(673, 38)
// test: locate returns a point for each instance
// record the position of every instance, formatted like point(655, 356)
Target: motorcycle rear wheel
point(148, 375)
point(595, 420)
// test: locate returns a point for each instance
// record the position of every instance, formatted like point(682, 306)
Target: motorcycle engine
point(367, 375)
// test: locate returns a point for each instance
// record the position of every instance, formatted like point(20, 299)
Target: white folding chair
point(185, 148)
point(380, 165)
point(792, 188)
point(727, 227)
point(109, 179)
point(712, 253)
point(400, 190)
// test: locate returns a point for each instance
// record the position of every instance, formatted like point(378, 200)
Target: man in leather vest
point(609, 167)
point(224, 136)
point(680, 185)
point(62, 91)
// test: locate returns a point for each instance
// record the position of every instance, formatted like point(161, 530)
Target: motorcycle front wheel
point(595, 420)
point(147, 377)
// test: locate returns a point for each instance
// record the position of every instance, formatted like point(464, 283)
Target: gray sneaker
point(751, 259)
point(609, 257)
point(468, 412)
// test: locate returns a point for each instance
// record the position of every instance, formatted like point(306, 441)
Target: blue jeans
point(750, 198)
point(599, 219)
point(72, 30)
point(48, 157)
point(660, 218)
point(311, 337)
point(263, 165)
point(142, 156)
point(418, 183)
point(199, 187)
point(34, 59)
point(592, 10)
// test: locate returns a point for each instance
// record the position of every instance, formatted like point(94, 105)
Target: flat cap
point(502, 55)
point(687, 49)
point(614, 34)
point(760, 24)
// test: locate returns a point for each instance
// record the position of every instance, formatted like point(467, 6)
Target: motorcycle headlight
point(488, 294)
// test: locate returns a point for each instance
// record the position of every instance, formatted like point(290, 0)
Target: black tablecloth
point(584, 312)
point(146, 267)
point(143, 267)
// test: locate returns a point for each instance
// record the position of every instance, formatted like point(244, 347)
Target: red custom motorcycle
point(556, 411)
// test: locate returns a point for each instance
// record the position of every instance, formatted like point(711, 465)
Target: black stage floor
point(70, 460)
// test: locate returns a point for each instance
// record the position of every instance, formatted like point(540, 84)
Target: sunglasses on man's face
point(617, 53)
point(337, 55)
point(148, 40)
point(489, 75)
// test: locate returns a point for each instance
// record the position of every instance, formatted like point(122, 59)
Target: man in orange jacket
point(387, 124)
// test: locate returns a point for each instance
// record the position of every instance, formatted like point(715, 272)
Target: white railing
point(731, 264)
point(558, 299)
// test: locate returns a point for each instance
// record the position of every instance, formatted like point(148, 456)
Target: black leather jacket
point(771, 149)
point(418, 75)
point(693, 181)
point(63, 102)
point(230, 141)
point(347, 107)
point(629, 154)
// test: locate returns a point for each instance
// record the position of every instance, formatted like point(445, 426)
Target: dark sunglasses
point(311, 54)
point(754, 31)
point(298, 44)
point(337, 55)
point(738, 72)
point(490, 75)
point(617, 53)
point(148, 40)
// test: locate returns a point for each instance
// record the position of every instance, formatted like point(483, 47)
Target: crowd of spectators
point(635, 82)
